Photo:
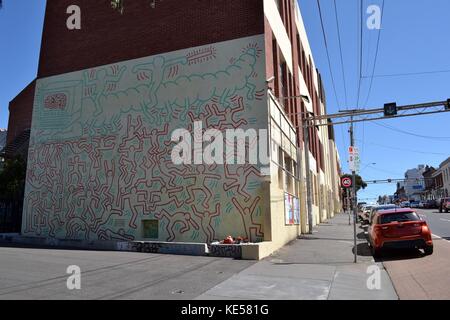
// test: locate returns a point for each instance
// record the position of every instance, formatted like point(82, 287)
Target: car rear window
point(399, 217)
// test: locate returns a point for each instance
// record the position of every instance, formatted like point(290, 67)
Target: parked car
point(399, 228)
point(414, 204)
point(375, 209)
point(444, 205)
point(364, 213)
point(421, 204)
point(405, 204)
point(431, 204)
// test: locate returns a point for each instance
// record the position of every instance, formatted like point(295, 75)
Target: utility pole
point(355, 208)
point(347, 191)
point(308, 175)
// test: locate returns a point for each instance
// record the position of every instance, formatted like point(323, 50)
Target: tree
point(12, 178)
point(360, 184)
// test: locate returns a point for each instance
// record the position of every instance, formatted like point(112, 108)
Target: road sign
point(353, 158)
point(346, 182)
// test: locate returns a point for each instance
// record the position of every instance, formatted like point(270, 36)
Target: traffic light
point(390, 109)
point(447, 105)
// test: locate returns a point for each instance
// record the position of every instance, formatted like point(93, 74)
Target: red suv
point(399, 228)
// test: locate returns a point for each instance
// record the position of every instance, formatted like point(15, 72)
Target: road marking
point(444, 220)
point(436, 236)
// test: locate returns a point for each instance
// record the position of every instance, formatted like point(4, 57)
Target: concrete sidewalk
point(315, 267)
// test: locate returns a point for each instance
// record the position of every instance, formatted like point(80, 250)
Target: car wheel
point(376, 253)
point(446, 210)
point(428, 250)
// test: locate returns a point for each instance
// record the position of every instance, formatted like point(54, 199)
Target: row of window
point(286, 86)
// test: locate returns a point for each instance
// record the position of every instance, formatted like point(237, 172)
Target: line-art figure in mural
point(136, 200)
point(77, 167)
point(200, 184)
point(164, 197)
point(228, 116)
point(239, 179)
point(173, 219)
point(158, 69)
point(101, 81)
point(108, 234)
point(206, 220)
point(72, 200)
point(246, 211)
point(77, 228)
point(178, 93)
point(107, 215)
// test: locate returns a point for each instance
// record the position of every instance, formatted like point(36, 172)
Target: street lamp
point(367, 165)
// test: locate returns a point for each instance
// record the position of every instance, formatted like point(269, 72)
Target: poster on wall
point(292, 209)
point(289, 209)
point(296, 211)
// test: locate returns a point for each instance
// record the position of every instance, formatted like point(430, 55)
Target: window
point(283, 84)
point(150, 229)
point(276, 73)
point(289, 180)
point(280, 168)
point(399, 217)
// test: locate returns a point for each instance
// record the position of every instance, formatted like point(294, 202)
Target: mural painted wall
point(100, 164)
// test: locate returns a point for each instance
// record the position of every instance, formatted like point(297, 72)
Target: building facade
point(415, 183)
point(109, 97)
point(444, 171)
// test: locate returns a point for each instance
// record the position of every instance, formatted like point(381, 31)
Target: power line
point(340, 51)
point(376, 55)
point(407, 74)
point(406, 150)
point(328, 54)
point(382, 170)
point(410, 133)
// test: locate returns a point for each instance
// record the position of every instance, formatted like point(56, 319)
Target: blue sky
point(413, 39)
point(21, 24)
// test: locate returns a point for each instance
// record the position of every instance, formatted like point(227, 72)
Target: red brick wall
point(108, 37)
point(20, 112)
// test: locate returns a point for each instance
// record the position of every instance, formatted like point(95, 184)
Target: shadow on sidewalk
point(363, 250)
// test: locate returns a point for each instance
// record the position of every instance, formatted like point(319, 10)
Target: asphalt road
point(41, 274)
point(438, 222)
point(416, 276)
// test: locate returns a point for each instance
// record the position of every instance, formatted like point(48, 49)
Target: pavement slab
point(315, 267)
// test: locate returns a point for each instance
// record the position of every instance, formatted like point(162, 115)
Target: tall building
point(109, 97)
point(415, 183)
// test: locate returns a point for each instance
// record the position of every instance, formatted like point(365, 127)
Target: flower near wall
point(119, 5)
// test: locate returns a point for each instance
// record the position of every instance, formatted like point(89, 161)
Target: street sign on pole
point(353, 158)
point(346, 182)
